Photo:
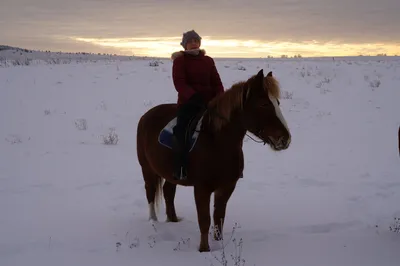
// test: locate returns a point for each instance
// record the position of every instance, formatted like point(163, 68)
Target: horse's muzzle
point(282, 143)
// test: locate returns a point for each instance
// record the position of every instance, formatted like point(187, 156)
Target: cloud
point(325, 21)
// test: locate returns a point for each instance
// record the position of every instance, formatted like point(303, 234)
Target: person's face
point(192, 44)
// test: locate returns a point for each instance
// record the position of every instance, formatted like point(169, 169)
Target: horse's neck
point(232, 133)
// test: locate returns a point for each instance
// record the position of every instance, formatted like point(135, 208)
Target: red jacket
point(195, 73)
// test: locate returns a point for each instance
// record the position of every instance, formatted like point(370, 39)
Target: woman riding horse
point(197, 81)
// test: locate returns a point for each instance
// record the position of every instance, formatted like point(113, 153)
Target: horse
point(216, 160)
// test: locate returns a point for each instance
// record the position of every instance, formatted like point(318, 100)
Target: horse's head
point(261, 111)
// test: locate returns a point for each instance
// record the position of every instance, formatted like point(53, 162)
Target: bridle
point(258, 134)
point(246, 93)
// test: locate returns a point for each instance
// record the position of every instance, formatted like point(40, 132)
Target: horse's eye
point(279, 103)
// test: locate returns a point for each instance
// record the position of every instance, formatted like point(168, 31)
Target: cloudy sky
point(245, 28)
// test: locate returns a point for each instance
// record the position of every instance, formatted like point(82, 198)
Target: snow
point(66, 198)
point(14, 56)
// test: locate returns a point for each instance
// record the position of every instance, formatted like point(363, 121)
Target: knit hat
point(189, 35)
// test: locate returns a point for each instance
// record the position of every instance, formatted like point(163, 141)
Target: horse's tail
point(153, 178)
point(159, 194)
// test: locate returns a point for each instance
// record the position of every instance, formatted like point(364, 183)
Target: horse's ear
point(260, 77)
point(269, 74)
point(260, 73)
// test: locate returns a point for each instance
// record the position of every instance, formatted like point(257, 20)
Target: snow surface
point(66, 198)
point(13, 56)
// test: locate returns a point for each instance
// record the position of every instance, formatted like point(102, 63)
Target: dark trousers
point(181, 145)
point(184, 114)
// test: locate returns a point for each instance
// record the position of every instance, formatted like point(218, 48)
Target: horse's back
point(156, 118)
point(161, 111)
point(150, 125)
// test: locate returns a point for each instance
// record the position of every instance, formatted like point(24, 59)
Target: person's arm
point(179, 78)
point(216, 82)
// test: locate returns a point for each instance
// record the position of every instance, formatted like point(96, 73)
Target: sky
point(229, 28)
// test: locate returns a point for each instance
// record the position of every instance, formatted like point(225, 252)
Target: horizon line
point(75, 51)
point(233, 48)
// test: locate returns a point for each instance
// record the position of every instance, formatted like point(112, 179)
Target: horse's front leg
point(221, 198)
point(202, 197)
point(169, 190)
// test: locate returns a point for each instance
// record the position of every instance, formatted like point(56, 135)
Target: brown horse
point(216, 161)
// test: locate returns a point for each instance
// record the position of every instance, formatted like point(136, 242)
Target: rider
point(197, 81)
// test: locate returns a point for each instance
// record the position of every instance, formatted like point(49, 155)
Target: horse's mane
point(224, 104)
point(272, 86)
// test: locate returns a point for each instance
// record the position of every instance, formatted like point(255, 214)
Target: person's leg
point(179, 147)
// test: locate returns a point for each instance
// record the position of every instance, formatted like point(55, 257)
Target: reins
point(213, 111)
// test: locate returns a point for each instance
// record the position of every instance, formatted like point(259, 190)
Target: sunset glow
point(229, 29)
point(164, 46)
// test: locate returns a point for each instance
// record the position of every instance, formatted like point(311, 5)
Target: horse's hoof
point(204, 249)
point(152, 219)
point(174, 220)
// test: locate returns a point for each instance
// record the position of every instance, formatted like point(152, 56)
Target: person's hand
point(197, 100)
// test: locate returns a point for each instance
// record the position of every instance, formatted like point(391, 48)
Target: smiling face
point(262, 114)
point(193, 44)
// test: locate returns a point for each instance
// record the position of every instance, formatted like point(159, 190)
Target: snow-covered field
point(66, 198)
point(14, 56)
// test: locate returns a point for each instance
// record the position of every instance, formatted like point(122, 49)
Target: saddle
point(192, 127)
point(191, 132)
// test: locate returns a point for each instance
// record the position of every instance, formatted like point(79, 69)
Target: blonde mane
point(232, 99)
point(272, 86)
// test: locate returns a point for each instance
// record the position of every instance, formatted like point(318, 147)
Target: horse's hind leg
point(152, 183)
point(202, 197)
point(169, 191)
point(221, 197)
